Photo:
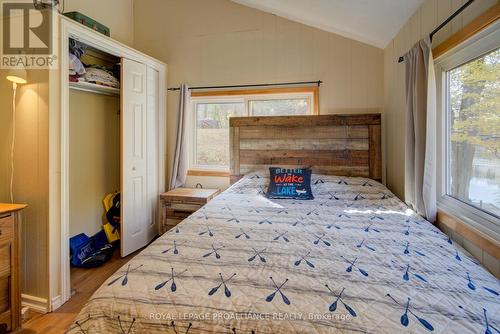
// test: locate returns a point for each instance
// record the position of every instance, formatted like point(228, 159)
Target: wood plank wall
point(332, 144)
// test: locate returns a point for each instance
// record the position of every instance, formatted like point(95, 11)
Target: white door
point(153, 148)
point(135, 203)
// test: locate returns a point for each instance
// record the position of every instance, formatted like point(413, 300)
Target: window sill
point(201, 172)
point(474, 226)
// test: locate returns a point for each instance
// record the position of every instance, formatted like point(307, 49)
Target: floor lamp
point(16, 76)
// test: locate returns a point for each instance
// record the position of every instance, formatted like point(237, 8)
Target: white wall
point(30, 171)
point(117, 15)
point(94, 160)
point(5, 135)
point(31, 179)
point(221, 42)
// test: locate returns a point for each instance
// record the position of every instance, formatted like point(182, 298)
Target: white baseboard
point(35, 303)
point(56, 302)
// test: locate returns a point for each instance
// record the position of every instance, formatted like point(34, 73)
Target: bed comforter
point(354, 259)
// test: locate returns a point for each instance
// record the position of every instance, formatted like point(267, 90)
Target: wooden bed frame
point(347, 145)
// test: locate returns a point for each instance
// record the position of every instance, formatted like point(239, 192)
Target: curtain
point(420, 153)
point(180, 164)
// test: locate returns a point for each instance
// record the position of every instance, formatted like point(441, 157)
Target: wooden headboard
point(347, 145)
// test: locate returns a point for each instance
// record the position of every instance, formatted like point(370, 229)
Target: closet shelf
point(93, 88)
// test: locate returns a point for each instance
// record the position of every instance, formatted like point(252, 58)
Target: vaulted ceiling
point(374, 22)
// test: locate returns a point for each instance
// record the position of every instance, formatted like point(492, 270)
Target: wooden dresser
point(10, 257)
point(178, 204)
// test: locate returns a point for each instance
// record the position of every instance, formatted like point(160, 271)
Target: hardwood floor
point(83, 284)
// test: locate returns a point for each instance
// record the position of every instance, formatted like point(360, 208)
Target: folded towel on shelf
point(100, 76)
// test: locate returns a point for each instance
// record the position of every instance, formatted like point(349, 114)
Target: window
point(469, 131)
point(212, 110)
point(212, 136)
point(279, 107)
point(473, 136)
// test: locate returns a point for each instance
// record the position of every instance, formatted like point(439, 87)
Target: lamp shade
point(18, 76)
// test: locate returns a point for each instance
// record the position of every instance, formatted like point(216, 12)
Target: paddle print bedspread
point(354, 259)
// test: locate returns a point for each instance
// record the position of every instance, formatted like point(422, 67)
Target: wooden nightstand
point(178, 204)
point(10, 266)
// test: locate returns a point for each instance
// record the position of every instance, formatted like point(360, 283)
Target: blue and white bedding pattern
point(354, 259)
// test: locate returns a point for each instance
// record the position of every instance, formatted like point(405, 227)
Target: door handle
point(133, 168)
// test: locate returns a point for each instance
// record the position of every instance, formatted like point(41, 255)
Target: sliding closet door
point(153, 147)
point(136, 217)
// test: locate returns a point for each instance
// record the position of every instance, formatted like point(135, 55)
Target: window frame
point(478, 45)
point(245, 97)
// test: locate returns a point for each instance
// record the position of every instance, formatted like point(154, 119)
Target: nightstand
point(180, 203)
point(10, 266)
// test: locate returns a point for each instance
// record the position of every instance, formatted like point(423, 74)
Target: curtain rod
point(445, 22)
point(319, 82)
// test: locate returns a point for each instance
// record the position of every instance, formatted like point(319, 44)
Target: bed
point(354, 259)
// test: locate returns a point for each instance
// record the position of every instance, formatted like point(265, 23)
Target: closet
point(112, 138)
point(94, 137)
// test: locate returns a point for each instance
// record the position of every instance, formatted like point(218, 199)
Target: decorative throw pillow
point(290, 183)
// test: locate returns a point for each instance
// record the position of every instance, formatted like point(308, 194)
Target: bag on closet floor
point(90, 252)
